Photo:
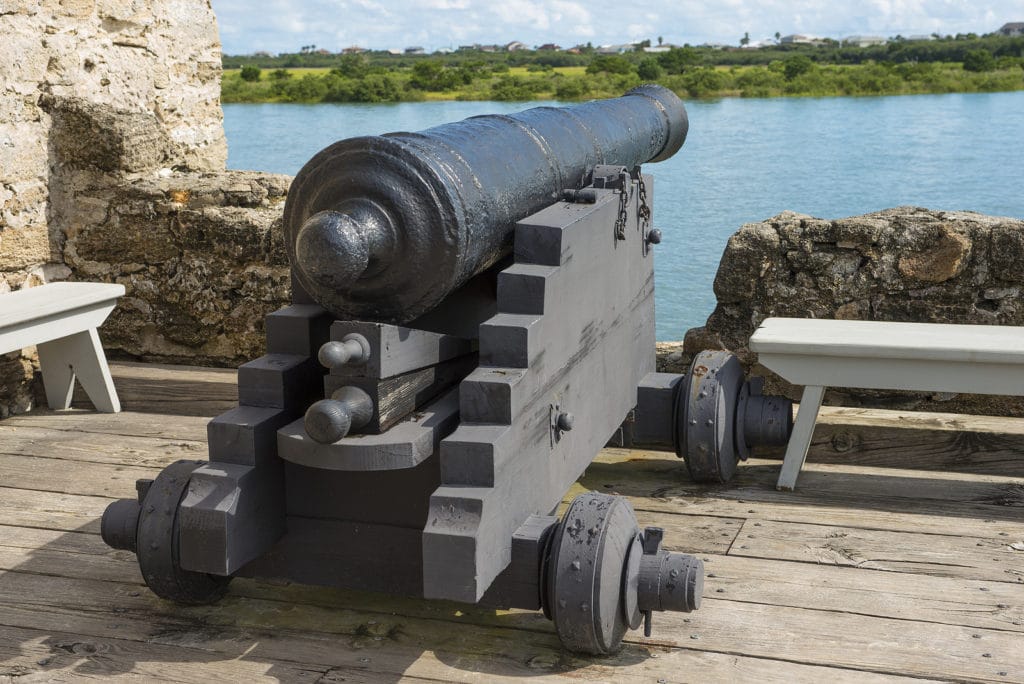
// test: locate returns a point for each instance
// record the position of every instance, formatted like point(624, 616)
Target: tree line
point(963, 65)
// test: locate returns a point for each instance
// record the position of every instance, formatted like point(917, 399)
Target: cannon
point(472, 322)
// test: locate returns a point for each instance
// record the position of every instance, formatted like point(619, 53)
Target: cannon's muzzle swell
point(384, 227)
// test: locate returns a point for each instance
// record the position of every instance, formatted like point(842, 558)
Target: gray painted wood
point(518, 586)
point(285, 381)
point(246, 435)
point(61, 319)
point(654, 423)
point(231, 514)
point(405, 445)
point(388, 497)
point(800, 440)
point(395, 350)
point(299, 329)
point(979, 359)
point(346, 554)
point(585, 354)
point(396, 397)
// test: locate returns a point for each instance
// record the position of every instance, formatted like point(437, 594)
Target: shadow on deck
point(894, 559)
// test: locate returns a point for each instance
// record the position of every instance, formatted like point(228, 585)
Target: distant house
point(516, 45)
point(864, 41)
point(323, 51)
point(550, 47)
point(489, 48)
point(394, 51)
point(1012, 29)
point(664, 47)
point(763, 43)
point(415, 51)
point(917, 37)
point(615, 49)
point(468, 48)
point(796, 39)
point(714, 46)
point(353, 50)
point(443, 51)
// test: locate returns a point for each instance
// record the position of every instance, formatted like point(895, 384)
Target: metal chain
point(623, 217)
point(643, 209)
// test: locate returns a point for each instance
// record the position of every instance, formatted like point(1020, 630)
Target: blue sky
point(286, 25)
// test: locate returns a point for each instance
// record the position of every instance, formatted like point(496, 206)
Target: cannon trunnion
point(416, 434)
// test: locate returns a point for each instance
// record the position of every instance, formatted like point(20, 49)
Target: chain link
point(623, 217)
point(643, 209)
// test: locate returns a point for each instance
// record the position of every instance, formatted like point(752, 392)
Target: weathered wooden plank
point(395, 350)
point(908, 552)
point(179, 390)
point(95, 479)
point(51, 511)
point(96, 447)
point(924, 598)
point(28, 655)
point(128, 423)
point(451, 649)
point(396, 397)
point(969, 451)
point(920, 598)
point(934, 501)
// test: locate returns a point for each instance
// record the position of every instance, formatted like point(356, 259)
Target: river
point(744, 160)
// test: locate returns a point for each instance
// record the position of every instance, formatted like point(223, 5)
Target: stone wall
point(104, 105)
point(200, 255)
point(903, 264)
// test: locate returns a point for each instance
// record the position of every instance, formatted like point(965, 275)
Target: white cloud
point(285, 25)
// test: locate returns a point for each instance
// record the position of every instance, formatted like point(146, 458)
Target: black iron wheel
point(706, 416)
point(586, 583)
point(157, 542)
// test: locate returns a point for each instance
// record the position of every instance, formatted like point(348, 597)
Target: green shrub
point(796, 65)
point(678, 60)
point(703, 81)
point(612, 64)
point(572, 89)
point(250, 73)
point(648, 69)
point(979, 60)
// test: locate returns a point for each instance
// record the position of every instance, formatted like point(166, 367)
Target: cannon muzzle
point(382, 228)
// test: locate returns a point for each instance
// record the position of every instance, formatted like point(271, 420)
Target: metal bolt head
point(654, 236)
point(565, 421)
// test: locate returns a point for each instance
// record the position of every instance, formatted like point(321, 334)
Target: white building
point(864, 41)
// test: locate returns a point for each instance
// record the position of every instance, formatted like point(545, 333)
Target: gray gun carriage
point(472, 321)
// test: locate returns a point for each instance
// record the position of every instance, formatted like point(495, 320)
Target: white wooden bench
point(61, 320)
point(979, 359)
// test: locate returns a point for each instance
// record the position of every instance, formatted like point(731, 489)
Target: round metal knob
point(329, 420)
point(353, 348)
point(654, 236)
point(120, 524)
point(565, 421)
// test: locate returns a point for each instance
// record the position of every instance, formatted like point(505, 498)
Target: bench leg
point(79, 355)
point(800, 440)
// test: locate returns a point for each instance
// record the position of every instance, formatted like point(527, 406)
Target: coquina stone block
point(902, 264)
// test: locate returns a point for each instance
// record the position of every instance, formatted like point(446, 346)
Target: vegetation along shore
point(940, 65)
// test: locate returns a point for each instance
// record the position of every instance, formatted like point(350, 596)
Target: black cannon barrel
point(382, 228)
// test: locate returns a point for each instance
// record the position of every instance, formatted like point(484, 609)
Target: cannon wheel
point(157, 542)
point(586, 581)
point(706, 416)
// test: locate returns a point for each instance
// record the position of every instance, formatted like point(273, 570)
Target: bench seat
point(933, 357)
point(61, 320)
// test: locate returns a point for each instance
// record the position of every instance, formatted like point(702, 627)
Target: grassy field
point(789, 78)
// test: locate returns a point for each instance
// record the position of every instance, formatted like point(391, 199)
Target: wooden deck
point(899, 557)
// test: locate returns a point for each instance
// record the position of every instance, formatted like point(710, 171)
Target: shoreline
point(571, 84)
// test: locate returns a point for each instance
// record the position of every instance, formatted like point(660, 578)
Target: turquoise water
point(744, 160)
